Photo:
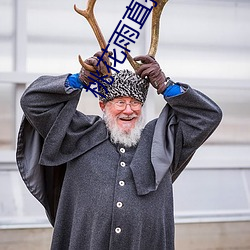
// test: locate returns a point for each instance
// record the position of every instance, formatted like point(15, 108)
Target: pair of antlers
point(88, 13)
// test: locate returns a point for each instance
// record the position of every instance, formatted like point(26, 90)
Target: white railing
point(229, 158)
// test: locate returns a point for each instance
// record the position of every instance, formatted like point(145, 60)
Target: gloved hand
point(84, 74)
point(151, 69)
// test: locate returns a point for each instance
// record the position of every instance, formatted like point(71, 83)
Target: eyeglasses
point(121, 105)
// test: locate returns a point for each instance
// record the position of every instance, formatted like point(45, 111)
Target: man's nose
point(128, 110)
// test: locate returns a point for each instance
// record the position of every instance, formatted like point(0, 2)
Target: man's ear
point(102, 105)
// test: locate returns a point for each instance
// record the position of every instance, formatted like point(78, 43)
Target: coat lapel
point(154, 154)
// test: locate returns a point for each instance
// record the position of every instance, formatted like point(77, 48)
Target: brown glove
point(84, 74)
point(151, 69)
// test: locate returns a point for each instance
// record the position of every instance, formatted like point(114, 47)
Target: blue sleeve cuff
point(172, 90)
point(74, 82)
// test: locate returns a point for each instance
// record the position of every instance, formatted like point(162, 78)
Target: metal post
point(20, 54)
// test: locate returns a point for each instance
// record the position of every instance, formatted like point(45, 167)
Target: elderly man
point(107, 183)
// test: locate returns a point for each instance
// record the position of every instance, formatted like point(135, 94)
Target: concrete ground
point(192, 236)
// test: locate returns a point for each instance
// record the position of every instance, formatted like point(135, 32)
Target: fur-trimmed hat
point(125, 83)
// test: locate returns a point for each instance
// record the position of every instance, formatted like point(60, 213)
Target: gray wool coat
point(99, 195)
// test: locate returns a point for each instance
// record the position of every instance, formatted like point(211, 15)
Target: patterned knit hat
point(126, 83)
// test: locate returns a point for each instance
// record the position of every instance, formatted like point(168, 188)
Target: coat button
point(123, 164)
point(118, 230)
point(121, 183)
point(122, 150)
point(119, 204)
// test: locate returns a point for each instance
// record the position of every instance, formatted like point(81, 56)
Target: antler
point(154, 33)
point(89, 15)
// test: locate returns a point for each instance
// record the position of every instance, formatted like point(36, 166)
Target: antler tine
point(154, 33)
point(135, 65)
point(88, 13)
point(156, 27)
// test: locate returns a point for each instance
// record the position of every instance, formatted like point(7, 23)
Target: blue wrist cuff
point(73, 81)
point(172, 90)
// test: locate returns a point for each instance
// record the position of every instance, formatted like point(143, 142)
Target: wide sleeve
point(52, 112)
point(43, 101)
point(51, 134)
point(197, 116)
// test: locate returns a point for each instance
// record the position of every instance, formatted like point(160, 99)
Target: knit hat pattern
point(125, 83)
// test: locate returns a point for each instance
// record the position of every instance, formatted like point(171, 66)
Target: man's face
point(126, 118)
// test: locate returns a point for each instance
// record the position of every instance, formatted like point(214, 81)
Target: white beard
point(127, 139)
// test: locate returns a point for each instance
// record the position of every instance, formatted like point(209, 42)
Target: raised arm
point(44, 99)
point(48, 96)
point(197, 116)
